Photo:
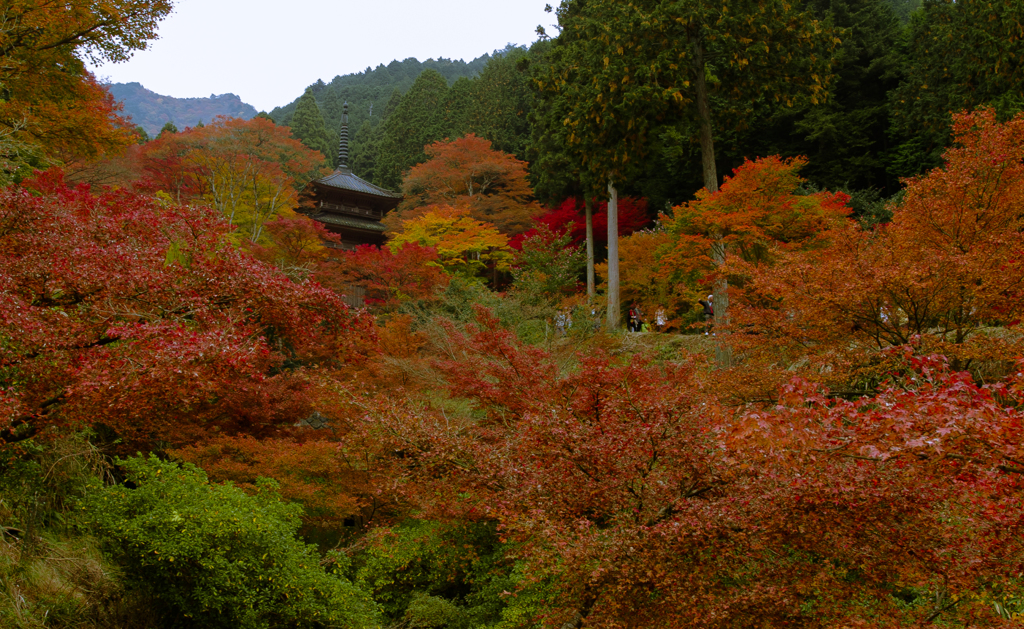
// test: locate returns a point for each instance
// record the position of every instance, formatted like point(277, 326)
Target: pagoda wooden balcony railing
point(348, 209)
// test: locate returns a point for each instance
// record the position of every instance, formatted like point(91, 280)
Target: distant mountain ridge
point(152, 111)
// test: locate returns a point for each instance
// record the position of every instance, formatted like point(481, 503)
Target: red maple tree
point(389, 275)
point(124, 311)
point(568, 216)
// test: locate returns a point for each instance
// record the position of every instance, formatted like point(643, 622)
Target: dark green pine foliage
point(368, 94)
point(457, 106)
point(418, 121)
point(503, 101)
point(391, 106)
point(554, 171)
point(307, 126)
point(363, 152)
point(846, 138)
point(668, 174)
point(960, 56)
point(556, 168)
point(370, 89)
point(331, 105)
point(365, 143)
point(904, 8)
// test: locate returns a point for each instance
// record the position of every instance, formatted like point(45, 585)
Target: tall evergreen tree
point(845, 138)
point(961, 55)
point(418, 120)
point(457, 107)
point(332, 105)
point(392, 105)
point(307, 126)
point(363, 154)
point(904, 8)
point(366, 140)
point(503, 102)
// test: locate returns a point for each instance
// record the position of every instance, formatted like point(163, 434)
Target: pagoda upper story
point(347, 205)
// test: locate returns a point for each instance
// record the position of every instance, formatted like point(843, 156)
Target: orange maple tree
point(53, 110)
point(946, 274)
point(757, 213)
point(468, 172)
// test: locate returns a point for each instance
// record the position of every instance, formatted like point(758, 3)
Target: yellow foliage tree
point(465, 246)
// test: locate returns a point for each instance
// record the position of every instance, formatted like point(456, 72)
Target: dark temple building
point(347, 205)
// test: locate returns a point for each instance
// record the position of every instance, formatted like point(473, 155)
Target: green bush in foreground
point(212, 556)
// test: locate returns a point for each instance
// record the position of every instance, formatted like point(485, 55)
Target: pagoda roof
point(350, 221)
point(345, 179)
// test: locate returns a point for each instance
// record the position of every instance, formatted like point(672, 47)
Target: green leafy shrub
point(547, 268)
point(212, 556)
point(433, 612)
point(429, 574)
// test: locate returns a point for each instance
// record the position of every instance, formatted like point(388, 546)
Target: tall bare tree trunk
point(614, 312)
point(588, 203)
point(723, 353)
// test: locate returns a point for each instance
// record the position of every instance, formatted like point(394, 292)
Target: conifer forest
point(687, 315)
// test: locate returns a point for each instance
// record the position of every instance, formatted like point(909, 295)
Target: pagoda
point(347, 205)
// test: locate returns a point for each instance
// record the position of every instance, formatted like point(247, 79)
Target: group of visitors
point(635, 321)
point(563, 321)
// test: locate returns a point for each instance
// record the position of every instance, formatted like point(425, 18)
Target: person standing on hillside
point(633, 322)
point(709, 312)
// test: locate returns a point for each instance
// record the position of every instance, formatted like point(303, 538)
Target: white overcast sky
point(268, 51)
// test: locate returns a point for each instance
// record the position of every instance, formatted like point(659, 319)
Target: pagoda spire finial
point(343, 144)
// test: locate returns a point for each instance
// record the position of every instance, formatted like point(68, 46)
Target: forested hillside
point(854, 130)
point(372, 87)
point(152, 111)
point(369, 93)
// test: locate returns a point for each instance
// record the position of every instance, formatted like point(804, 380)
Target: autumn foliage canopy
point(944, 275)
point(124, 311)
point(53, 111)
point(468, 172)
point(248, 170)
point(633, 498)
point(620, 488)
point(859, 461)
